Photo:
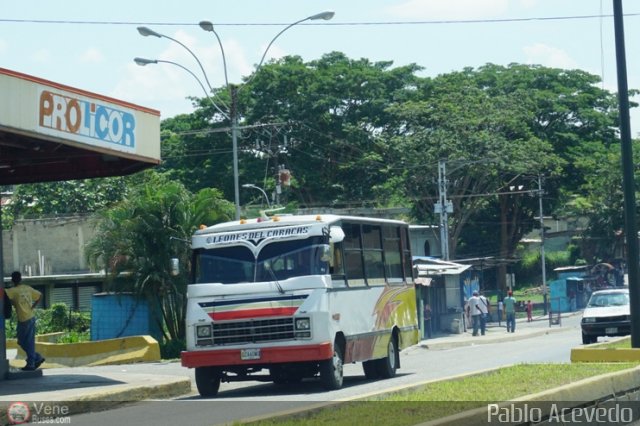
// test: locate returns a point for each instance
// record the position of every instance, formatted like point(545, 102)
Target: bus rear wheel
point(387, 366)
point(331, 370)
point(207, 381)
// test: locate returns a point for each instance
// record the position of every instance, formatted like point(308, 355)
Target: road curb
point(606, 386)
point(121, 394)
point(484, 340)
point(593, 389)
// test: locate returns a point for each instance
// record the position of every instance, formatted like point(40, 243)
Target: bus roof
point(286, 220)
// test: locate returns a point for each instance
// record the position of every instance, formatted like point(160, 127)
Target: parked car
point(606, 314)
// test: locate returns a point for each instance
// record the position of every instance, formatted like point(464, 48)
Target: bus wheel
point(331, 374)
point(207, 381)
point(387, 366)
point(370, 369)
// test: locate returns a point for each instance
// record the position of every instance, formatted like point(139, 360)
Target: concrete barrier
point(49, 338)
point(125, 350)
point(600, 352)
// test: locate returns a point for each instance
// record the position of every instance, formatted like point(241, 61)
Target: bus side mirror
point(326, 253)
point(175, 266)
point(336, 234)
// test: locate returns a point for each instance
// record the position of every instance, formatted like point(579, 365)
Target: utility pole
point(542, 256)
point(443, 207)
point(628, 178)
point(234, 142)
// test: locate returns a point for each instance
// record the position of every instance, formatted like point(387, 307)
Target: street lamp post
point(143, 61)
point(233, 112)
point(250, 185)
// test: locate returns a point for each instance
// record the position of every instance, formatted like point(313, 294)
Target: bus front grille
point(252, 331)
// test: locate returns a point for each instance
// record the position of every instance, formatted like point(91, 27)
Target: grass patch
point(620, 344)
point(451, 396)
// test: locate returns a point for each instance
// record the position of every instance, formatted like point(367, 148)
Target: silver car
point(606, 314)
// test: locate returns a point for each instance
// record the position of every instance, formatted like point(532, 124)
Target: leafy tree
point(64, 198)
point(498, 128)
point(136, 239)
point(336, 107)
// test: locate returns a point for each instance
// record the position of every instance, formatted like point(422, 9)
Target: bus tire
point(207, 381)
point(331, 370)
point(387, 366)
point(370, 369)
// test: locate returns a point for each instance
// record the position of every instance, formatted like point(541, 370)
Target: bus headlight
point(203, 331)
point(303, 323)
point(204, 335)
point(302, 328)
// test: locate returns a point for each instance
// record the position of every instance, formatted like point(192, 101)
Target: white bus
point(289, 297)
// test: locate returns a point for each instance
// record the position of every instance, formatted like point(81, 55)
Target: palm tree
point(136, 239)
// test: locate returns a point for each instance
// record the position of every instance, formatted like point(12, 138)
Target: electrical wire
point(268, 24)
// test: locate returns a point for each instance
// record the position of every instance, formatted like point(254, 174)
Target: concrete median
point(125, 350)
point(604, 352)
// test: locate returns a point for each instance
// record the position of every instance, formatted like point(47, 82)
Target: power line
point(268, 24)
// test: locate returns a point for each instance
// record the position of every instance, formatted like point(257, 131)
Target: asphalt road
point(242, 400)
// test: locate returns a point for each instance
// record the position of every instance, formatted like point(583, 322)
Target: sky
point(91, 45)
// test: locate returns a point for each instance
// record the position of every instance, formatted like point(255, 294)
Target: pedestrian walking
point(24, 298)
point(473, 311)
point(510, 311)
point(500, 311)
point(483, 305)
point(427, 321)
point(529, 311)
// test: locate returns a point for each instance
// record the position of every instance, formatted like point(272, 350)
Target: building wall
point(419, 234)
point(47, 246)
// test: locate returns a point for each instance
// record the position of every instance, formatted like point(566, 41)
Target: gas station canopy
point(52, 132)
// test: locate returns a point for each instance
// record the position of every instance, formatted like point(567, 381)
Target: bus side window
point(335, 262)
point(338, 277)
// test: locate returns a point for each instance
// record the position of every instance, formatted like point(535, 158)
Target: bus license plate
point(246, 354)
point(611, 330)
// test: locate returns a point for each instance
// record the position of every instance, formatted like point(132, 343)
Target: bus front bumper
point(260, 356)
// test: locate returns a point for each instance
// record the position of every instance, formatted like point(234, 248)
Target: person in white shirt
point(474, 311)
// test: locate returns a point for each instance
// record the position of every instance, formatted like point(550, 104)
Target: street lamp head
point(145, 31)
point(142, 61)
point(248, 185)
point(206, 25)
point(326, 15)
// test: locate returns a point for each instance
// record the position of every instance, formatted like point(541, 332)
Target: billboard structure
point(51, 132)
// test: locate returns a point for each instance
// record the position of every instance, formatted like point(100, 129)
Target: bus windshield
point(278, 260)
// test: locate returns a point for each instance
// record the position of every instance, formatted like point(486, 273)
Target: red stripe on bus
point(253, 313)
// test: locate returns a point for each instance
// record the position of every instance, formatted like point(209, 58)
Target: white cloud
point(92, 56)
point(549, 56)
point(449, 9)
point(41, 55)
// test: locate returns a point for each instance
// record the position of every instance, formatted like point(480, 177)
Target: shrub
point(75, 337)
point(170, 349)
point(56, 319)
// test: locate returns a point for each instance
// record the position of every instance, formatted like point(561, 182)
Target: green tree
point(64, 198)
point(498, 128)
point(136, 239)
point(335, 108)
